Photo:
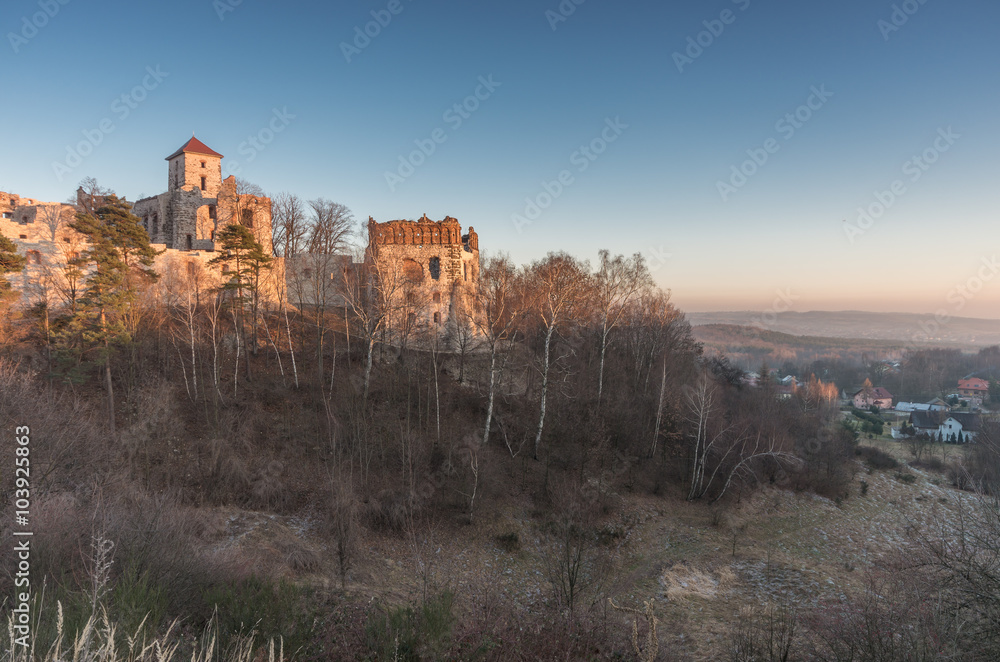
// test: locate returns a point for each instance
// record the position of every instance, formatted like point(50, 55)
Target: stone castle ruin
point(182, 224)
point(198, 203)
point(438, 266)
point(435, 264)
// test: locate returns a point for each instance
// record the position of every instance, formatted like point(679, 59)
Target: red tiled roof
point(194, 146)
point(877, 393)
point(975, 384)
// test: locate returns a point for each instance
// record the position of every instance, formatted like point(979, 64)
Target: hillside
point(908, 328)
point(750, 346)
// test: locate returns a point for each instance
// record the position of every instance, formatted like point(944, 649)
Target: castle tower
point(195, 167)
point(439, 268)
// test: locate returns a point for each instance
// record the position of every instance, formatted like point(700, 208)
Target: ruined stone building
point(182, 224)
point(198, 203)
point(437, 267)
point(41, 232)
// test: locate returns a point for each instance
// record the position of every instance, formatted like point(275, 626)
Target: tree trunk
point(437, 399)
point(545, 388)
point(600, 373)
point(194, 369)
point(107, 374)
point(291, 347)
point(111, 392)
point(368, 366)
point(659, 410)
point(489, 399)
point(320, 339)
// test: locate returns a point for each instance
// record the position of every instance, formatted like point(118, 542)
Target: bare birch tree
point(497, 311)
point(371, 290)
point(560, 285)
point(617, 281)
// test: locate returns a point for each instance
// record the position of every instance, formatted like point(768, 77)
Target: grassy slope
point(797, 548)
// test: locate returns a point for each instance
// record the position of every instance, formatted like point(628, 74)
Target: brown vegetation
point(231, 483)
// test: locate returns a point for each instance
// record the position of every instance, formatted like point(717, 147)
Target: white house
point(946, 426)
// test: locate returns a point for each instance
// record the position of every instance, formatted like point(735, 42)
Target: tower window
point(202, 164)
point(203, 184)
point(211, 212)
point(189, 242)
point(22, 236)
point(437, 297)
point(434, 266)
point(437, 318)
point(246, 217)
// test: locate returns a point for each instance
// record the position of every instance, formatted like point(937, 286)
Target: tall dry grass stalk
point(99, 639)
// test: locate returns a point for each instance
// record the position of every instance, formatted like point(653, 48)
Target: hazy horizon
point(706, 309)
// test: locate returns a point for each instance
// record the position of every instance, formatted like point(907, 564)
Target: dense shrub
point(877, 458)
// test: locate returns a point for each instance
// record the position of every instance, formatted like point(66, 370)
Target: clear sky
point(838, 97)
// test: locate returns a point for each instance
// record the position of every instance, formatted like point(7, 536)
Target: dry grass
point(683, 581)
point(99, 640)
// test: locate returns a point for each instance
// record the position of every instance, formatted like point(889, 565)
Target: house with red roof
point(872, 395)
point(974, 389)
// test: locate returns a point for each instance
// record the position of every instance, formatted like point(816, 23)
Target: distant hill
point(904, 328)
point(748, 346)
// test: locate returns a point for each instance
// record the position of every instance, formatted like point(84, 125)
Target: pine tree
point(246, 261)
point(118, 259)
point(10, 262)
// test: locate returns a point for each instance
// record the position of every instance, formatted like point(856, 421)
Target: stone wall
point(42, 233)
point(187, 219)
point(186, 171)
point(438, 266)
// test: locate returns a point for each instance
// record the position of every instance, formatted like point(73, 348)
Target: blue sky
point(229, 71)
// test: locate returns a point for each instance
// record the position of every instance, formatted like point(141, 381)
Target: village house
point(952, 427)
point(934, 405)
point(875, 395)
point(974, 389)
